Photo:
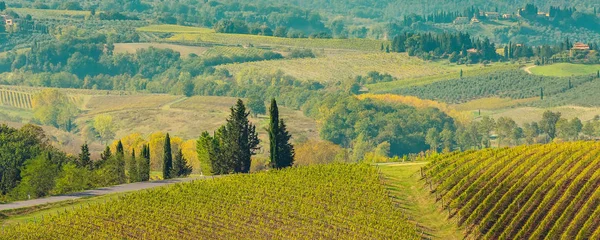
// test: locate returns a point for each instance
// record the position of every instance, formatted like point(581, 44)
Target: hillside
point(319, 202)
point(528, 192)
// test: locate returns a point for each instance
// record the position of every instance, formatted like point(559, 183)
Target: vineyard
point(15, 99)
point(344, 66)
point(529, 192)
point(320, 202)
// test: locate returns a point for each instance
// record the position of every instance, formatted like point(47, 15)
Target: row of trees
point(506, 132)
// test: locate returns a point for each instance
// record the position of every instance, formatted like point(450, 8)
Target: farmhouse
point(8, 20)
point(475, 20)
point(461, 20)
point(579, 48)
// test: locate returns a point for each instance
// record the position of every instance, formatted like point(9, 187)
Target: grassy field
point(232, 51)
point(566, 69)
point(245, 39)
point(453, 72)
point(166, 28)
point(529, 114)
point(404, 183)
point(493, 103)
point(185, 51)
point(50, 13)
point(319, 202)
point(346, 66)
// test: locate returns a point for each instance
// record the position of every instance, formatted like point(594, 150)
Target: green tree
point(447, 138)
point(119, 148)
point(257, 105)
point(167, 158)
point(54, 108)
point(504, 128)
point(548, 123)
point(432, 139)
point(103, 124)
point(84, 160)
point(72, 179)
point(144, 164)
point(2, 6)
point(205, 147)
point(134, 175)
point(104, 156)
point(180, 166)
point(38, 178)
point(281, 150)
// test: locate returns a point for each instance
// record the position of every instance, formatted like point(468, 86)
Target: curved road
point(97, 192)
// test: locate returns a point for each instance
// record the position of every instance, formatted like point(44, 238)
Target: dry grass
point(529, 114)
point(185, 51)
point(346, 65)
point(493, 103)
point(112, 103)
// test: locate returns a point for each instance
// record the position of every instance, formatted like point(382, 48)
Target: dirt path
point(96, 192)
point(411, 195)
point(168, 105)
point(528, 69)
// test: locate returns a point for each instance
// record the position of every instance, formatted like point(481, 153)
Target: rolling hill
point(528, 192)
point(320, 202)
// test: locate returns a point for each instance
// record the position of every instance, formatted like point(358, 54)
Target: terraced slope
point(528, 192)
point(321, 202)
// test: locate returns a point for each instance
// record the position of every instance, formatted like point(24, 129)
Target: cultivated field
point(341, 67)
point(529, 114)
point(319, 202)
point(185, 51)
point(528, 192)
point(452, 72)
point(243, 39)
point(166, 28)
point(566, 69)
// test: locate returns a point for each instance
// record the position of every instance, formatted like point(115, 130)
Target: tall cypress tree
point(167, 158)
point(133, 169)
point(84, 160)
point(120, 148)
point(273, 132)
point(281, 151)
point(144, 164)
point(104, 156)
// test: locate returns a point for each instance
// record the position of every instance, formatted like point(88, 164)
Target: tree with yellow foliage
point(53, 108)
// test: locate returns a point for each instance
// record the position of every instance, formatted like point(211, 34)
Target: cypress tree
point(542, 93)
point(281, 151)
point(84, 158)
point(167, 158)
point(120, 148)
point(273, 132)
point(180, 166)
point(133, 169)
point(144, 164)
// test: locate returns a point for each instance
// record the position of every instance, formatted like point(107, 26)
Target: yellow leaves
point(103, 124)
point(157, 142)
point(460, 117)
point(318, 152)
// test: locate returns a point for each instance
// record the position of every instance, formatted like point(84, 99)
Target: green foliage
point(53, 108)
point(180, 166)
point(73, 179)
point(232, 146)
point(133, 171)
point(16, 147)
point(548, 123)
point(38, 178)
point(84, 160)
point(167, 158)
point(332, 198)
point(256, 104)
point(205, 147)
point(143, 163)
point(281, 151)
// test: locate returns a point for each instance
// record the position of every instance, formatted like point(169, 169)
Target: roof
point(581, 46)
